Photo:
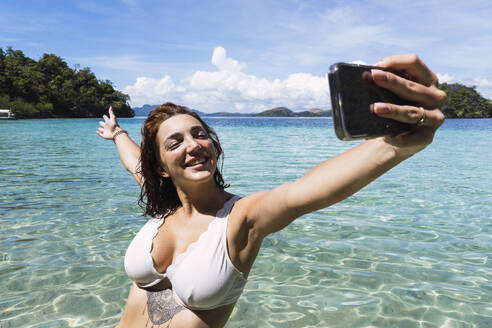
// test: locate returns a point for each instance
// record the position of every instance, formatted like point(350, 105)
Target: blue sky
point(248, 55)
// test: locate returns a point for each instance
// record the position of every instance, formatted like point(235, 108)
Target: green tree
point(50, 88)
point(465, 102)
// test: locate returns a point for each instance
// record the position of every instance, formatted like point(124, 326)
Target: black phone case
point(351, 97)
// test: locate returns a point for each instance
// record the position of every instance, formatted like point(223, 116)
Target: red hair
point(158, 195)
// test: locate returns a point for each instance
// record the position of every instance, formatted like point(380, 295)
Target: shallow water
point(411, 250)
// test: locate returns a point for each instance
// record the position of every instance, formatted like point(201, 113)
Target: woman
point(189, 263)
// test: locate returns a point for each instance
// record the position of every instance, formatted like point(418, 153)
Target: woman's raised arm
point(337, 178)
point(128, 150)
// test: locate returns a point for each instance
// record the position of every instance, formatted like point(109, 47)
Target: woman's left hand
point(422, 90)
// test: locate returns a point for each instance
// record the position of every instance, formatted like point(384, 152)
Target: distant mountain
point(274, 112)
point(277, 112)
point(285, 112)
point(199, 113)
point(315, 112)
point(144, 110)
point(226, 114)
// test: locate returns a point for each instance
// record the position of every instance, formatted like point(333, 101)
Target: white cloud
point(152, 91)
point(482, 82)
point(230, 89)
point(445, 78)
point(484, 86)
point(219, 59)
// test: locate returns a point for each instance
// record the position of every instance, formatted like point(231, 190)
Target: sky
point(248, 56)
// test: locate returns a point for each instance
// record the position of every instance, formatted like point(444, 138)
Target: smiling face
point(186, 152)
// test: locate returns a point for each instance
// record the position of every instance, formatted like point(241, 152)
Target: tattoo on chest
point(162, 307)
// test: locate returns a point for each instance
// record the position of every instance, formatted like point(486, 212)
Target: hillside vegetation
point(50, 88)
point(465, 102)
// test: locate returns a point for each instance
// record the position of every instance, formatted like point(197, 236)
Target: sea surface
point(413, 249)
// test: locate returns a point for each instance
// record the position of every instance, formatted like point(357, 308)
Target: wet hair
point(158, 195)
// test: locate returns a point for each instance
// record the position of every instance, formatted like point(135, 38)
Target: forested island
point(465, 102)
point(49, 88)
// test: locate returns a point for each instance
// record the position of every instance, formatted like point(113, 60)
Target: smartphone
point(352, 92)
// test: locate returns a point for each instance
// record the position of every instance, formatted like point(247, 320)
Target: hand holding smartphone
point(352, 92)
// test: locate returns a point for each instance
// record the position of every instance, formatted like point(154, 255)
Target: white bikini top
point(203, 277)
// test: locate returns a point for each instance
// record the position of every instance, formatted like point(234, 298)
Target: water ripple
point(410, 250)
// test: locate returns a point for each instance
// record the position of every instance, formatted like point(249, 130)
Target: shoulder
point(243, 206)
point(240, 224)
point(243, 240)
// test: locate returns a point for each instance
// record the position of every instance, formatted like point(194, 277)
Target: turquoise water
point(411, 250)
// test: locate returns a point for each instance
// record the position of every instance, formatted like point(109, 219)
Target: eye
point(173, 143)
point(199, 133)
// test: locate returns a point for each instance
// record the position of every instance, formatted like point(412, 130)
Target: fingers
point(409, 114)
point(428, 96)
point(412, 65)
point(415, 89)
point(107, 126)
point(112, 116)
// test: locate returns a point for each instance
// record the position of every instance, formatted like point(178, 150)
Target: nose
point(193, 146)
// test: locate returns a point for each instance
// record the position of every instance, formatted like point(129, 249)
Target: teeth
point(195, 162)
